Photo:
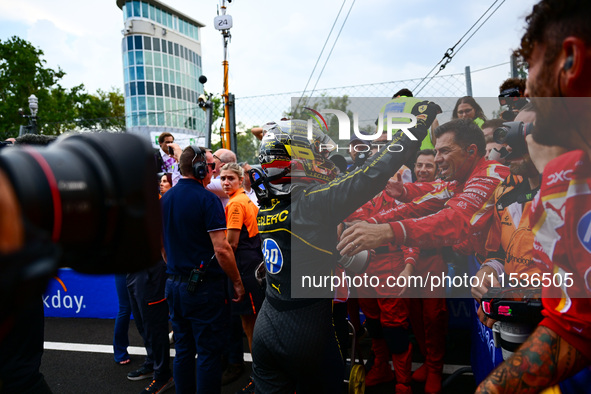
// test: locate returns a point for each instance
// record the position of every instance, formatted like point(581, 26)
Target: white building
point(161, 65)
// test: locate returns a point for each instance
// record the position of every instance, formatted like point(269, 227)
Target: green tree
point(22, 73)
point(247, 147)
point(103, 110)
point(58, 109)
point(338, 103)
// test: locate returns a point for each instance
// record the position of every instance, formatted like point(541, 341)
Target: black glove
point(425, 112)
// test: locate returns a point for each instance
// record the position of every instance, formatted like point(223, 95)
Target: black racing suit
point(294, 343)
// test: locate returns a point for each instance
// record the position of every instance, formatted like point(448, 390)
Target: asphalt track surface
point(78, 358)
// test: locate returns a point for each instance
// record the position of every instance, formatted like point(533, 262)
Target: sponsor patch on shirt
point(584, 231)
point(273, 256)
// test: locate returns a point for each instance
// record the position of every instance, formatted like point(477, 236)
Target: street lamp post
point(31, 128)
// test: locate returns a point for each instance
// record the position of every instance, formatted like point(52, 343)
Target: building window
point(145, 10)
point(152, 12)
point(157, 44)
point(141, 101)
point(139, 58)
point(147, 43)
point(136, 8)
point(157, 59)
point(148, 58)
point(151, 119)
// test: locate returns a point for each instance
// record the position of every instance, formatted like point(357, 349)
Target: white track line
point(448, 369)
point(108, 349)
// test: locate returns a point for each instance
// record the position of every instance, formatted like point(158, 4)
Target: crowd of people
point(513, 209)
point(458, 193)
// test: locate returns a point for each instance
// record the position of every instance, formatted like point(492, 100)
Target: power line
point(333, 45)
point(400, 81)
point(486, 68)
point(449, 54)
point(321, 52)
point(482, 24)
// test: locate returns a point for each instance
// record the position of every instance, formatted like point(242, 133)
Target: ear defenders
point(199, 166)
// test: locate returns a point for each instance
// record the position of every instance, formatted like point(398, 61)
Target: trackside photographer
point(557, 47)
point(86, 201)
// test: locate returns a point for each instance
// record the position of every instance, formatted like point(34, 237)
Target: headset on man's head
point(199, 167)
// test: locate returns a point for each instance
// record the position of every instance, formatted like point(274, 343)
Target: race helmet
point(287, 155)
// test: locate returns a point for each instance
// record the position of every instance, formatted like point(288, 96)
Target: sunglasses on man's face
point(211, 166)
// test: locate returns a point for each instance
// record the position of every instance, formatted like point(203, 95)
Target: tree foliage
point(23, 72)
point(247, 147)
point(338, 103)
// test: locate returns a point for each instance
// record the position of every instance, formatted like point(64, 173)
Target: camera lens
point(500, 135)
point(92, 194)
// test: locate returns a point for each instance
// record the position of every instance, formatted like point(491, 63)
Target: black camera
point(516, 305)
point(92, 195)
point(513, 134)
point(514, 102)
point(361, 158)
point(517, 311)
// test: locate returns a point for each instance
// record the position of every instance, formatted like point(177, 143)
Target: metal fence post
point(468, 81)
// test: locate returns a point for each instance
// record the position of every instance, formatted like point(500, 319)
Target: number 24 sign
point(222, 22)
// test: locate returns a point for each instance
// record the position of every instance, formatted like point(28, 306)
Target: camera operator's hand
point(487, 321)
point(177, 151)
point(395, 187)
point(425, 112)
point(542, 154)
point(11, 225)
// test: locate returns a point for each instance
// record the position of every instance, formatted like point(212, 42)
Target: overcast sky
point(276, 43)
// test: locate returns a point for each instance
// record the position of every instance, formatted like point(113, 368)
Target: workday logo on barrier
point(394, 121)
point(60, 299)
